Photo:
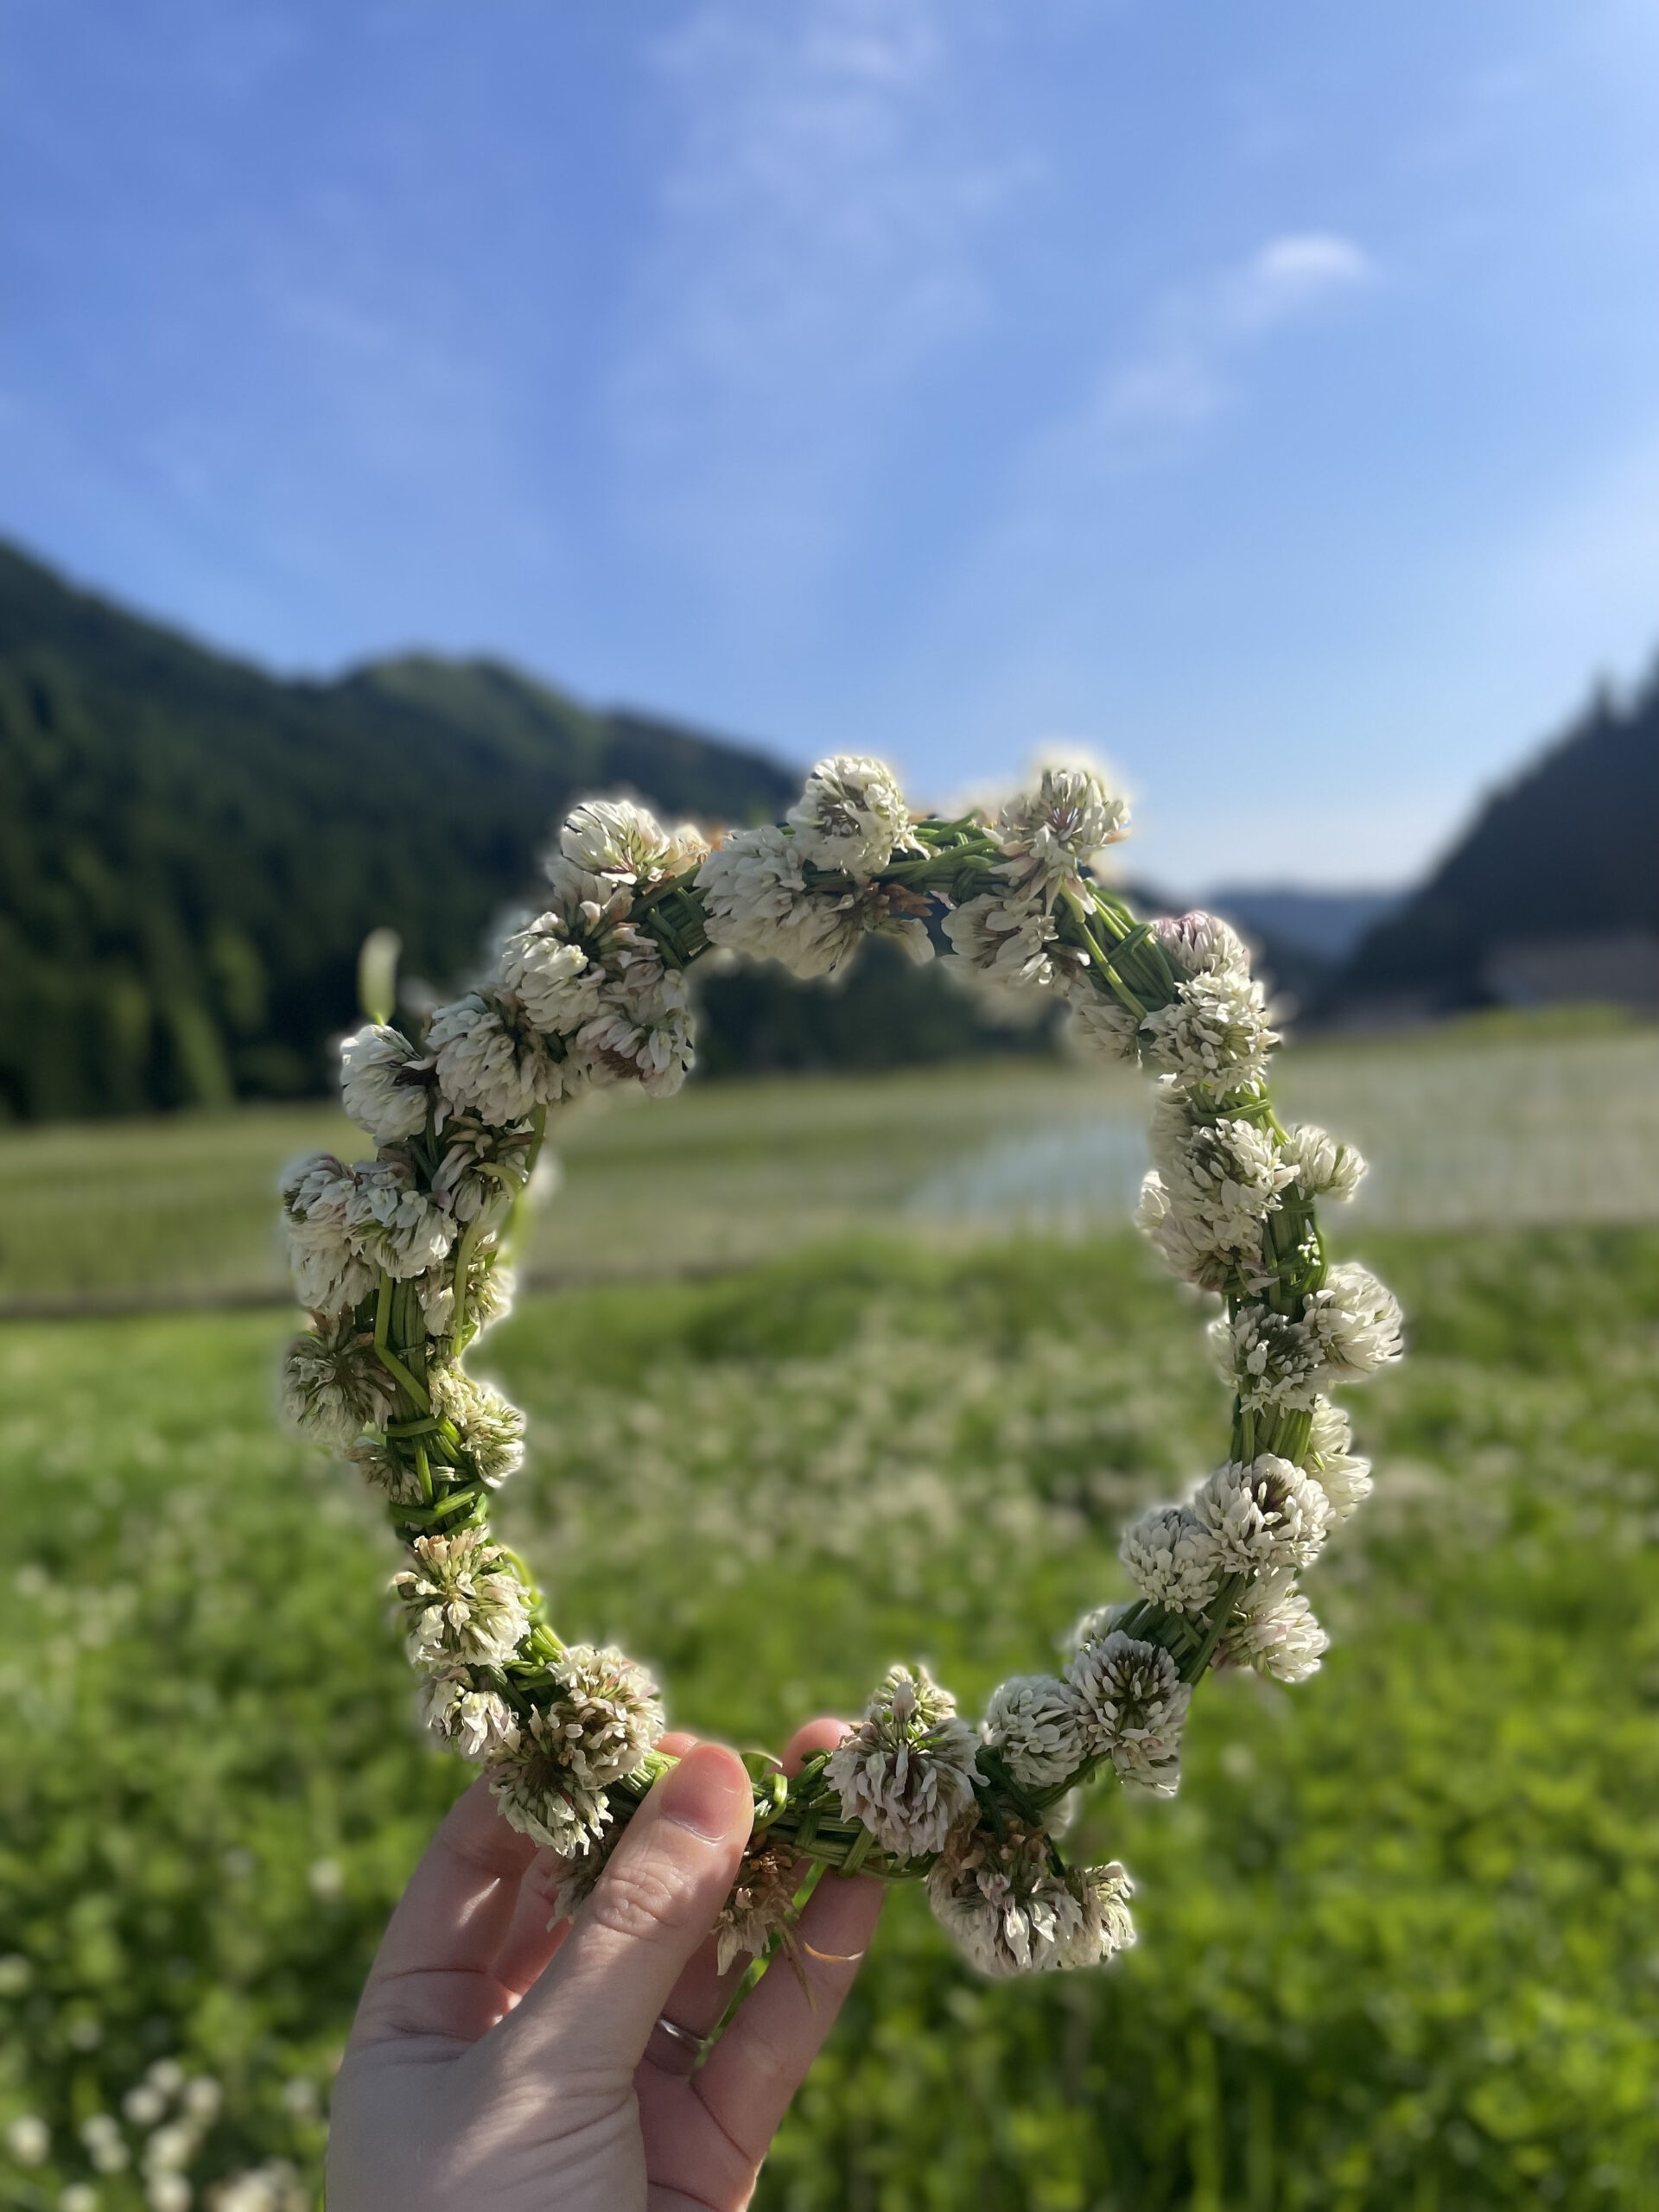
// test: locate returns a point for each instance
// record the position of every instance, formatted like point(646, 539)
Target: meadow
point(884, 1378)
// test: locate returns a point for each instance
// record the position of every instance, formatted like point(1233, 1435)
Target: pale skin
point(497, 2066)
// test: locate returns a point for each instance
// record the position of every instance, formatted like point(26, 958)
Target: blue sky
point(1265, 393)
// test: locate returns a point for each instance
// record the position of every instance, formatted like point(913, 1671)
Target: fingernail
point(706, 1792)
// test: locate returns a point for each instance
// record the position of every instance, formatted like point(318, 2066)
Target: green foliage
point(1397, 1938)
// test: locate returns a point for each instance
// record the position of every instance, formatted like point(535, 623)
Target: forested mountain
point(191, 853)
point(1566, 854)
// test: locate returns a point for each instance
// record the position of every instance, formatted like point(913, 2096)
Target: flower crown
point(399, 1260)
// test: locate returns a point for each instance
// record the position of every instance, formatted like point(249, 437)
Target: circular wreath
point(400, 1260)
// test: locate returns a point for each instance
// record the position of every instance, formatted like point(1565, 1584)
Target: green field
point(1399, 1934)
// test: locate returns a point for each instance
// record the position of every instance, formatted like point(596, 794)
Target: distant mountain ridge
point(1564, 855)
point(191, 850)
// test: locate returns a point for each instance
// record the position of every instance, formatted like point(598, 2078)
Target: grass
point(1397, 1941)
point(1397, 1938)
point(1493, 1123)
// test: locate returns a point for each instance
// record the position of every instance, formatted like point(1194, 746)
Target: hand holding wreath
point(497, 2066)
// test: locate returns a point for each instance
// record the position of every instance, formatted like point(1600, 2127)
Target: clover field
point(1399, 1934)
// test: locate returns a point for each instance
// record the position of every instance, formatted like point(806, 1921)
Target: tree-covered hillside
point(191, 852)
point(1568, 850)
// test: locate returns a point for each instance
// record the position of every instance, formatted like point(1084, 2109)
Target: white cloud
point(1291, 273)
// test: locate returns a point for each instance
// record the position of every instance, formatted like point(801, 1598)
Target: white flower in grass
point(492, 1061)
point(171, 2148)
point(1171, 1559)
point(552, 977)
point(275, 2187)
point(1263, 1517)
point(1012, 1911)
point(373, 1089)
point(1050, 836)
point(1276, 1631)
point(1213, 1034)
point(1010, 939)
point(1035, 1721)
point(28, 2139)
point(1101, 1025)
point(1202, 944)
point(80, 2197)
point(1356, 1321)
point(167, 2192)
point(492, 1429)
point(1134, 1706)
point(852, 817)
point(1345, 1480)
point(906, 1771)
point(392, 1223)
point(329, 1276)
point(460, 1602)
point(762, 1902)
point(106, 2146)
point(334, 1386)
point(479, 1724)
point(1325, 1167)
point(643, 1036)
point(756, 904)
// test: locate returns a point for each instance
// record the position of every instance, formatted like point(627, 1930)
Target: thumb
point(652, 1906)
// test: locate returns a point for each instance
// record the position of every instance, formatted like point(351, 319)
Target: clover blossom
point(1325, 1166)
point(851, 818)
point(906, 1771)
point(333, 1385)
point(1049, 836)
point(1202, 944)
point(550, 976)
point(329, 1273)
point(1345, 1480)
point(1262, 1517)
point(1214, 1035)
point(1134, 1704)
point(1011, 1912)
point(490, 1059)
point(1172, 1559)
point(375, 1090)
point(760, 1906)
point(460, 1602)
point(1274, 1631)
point(1037, 1723)
point(480, 1723)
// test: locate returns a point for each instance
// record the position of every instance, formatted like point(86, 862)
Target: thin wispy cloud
point(1190, 363)
point(816, 248)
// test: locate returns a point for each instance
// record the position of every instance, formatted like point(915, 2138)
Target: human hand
point(497, 2067)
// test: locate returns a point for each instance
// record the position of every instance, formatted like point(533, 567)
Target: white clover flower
point(334, 1386)
point(1325, 1167)
point(392, 1223)
point(329, 1276)
point(1133, 1706)
point(618, 840)
point(1171, 1559)
point(492, 1429)
point(1276, 1632)
point(1271, 1359)
point(643, 1037)
point(1203, 944)
point(371, 1457)
point(1214, 1033)
point(1217, 1182)
point(491, 1061)
point(373, 1086)
point(599, 1714)
point(1011, 1912)
point(1356, 1322)
point(1345, 1480)
point(1096, 1626)
point(762, 1901)
point(167, 2192)
point(80, 2197)
point(479, 1724)
point(1263, 1517)
point(28, 2139)
point(1048, 836)
point(1010, 939)
point(106, 2144)
point(852, 817)
point(459, 1603)
point(756, 904)
point(1101, 1025)
point(552, 977)
point(145, 2104)
point(275, 2187)
point(171, 2148)
point(203, 2099)
point(906, 1771)
point(481, 1174)
point(1188, 1251)
point(1034, 1720)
